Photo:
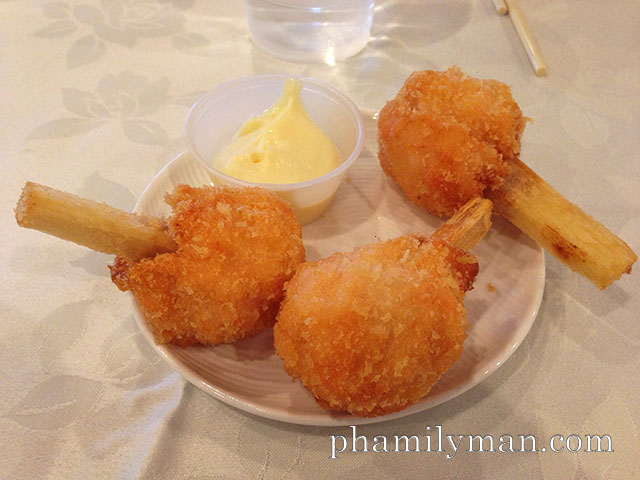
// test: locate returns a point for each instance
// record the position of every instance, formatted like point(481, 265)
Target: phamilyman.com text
point(434, 440)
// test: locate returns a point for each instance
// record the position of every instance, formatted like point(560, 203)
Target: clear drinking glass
point(310, 30)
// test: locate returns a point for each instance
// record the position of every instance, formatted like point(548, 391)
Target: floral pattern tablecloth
point(93, 101)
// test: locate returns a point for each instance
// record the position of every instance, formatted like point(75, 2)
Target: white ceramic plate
point(368, 207)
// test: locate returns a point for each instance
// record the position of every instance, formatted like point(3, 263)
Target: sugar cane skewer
point(225, 256)
point(561, 227)
point(372, 330)
point(92, 224)
point(447, 137)
point(468, 225)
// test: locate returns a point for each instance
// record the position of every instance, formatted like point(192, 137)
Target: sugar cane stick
point(562, 228)
point(447, 137)
point(92, 224)
point(468, 225)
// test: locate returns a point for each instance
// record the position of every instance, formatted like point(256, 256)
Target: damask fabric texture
point(93, 102)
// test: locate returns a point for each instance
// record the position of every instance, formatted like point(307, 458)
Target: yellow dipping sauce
point(283, 145)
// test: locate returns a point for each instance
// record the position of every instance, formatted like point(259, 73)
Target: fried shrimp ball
point(236, 249)
point(447, 137)
point(371, 331)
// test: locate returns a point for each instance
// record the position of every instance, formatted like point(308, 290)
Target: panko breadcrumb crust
point(371, 331)
point(236, 249)
point(447, 137)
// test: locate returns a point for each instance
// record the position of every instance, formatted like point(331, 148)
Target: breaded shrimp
point(371, 331)
point(446, 137)
point(236, 249)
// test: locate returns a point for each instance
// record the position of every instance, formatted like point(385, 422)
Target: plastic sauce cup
point(217, 116)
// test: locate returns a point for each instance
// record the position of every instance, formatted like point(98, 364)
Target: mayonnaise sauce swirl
point(283, 145)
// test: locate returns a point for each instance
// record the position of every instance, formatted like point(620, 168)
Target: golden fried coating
point(371, 331)
point(447, 137)
point(236, 249)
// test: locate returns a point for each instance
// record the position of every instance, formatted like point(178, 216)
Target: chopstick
point(526, 37)
point(501, 7)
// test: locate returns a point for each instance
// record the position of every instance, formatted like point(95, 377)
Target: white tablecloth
point(94, 96)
